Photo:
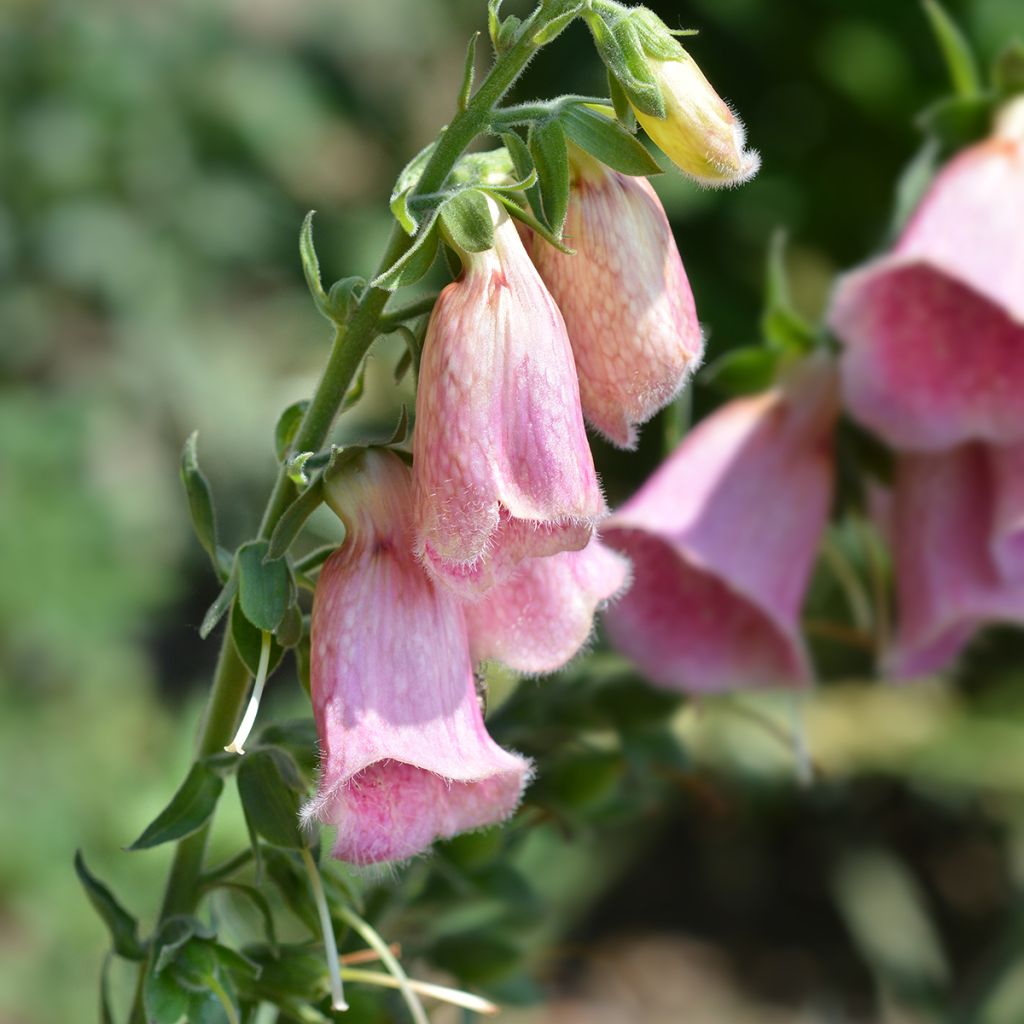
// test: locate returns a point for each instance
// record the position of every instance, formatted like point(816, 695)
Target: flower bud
point(957, 531)
point(723, 539)
point(934, 330)
point(541, 618)
point(625, 298)
point(502, 465)
point(699, 133)
point(405, 757)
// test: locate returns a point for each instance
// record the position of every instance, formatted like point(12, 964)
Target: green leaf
point(550, 154)
point(164, 999)
point(287, 427)
point(468, 71)
point(271, 788)
point(289, 875)
point(525, 217)
point(221, 603)
point(1008, 70)
point(467, 221)
point(298, 737)
point(414, 264)
point(523, 164)
point(405, 184)
point(345, 293)
point(607, 140)
point(311, 265)
point(265, 588)
point(621, 104)
point(259, 901)
point(956, 51)
point(958, 121)
point(248, 641)
point(189, 809)
point(294, 517)
point(783, 328)
point(556, 26)
point(123, 928)
point(315, 558)
point(289, 632)
point(743, 371)
point(200, 500)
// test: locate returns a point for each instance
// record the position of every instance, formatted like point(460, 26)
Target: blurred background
point(156, 161)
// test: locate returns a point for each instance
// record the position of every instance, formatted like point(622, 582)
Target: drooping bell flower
point(539, 619)
point(502, 465)
point(723, 539)
point(934, 329)
point(405, 757)
point(957, 530)
point(625, 298)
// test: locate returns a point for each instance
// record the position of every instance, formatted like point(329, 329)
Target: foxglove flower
point(625, 297)
point(502, 465)
point(405, 757)
point(723, 539)
point(539, 619)
point(957, 530)
point(934, 330)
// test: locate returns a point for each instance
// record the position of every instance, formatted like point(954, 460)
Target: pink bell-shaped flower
point(723, 539)
point(934, 330)
point(405, 757)
point(539, 619)
point(957, 531)
point(502, 465)
point(625, 297)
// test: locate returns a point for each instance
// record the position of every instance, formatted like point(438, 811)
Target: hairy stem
point(228, 690)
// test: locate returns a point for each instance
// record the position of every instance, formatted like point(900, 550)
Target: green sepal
point(287, 427)
point(415, 262)
point(248, 641)
point(345, 293)
point(405, 184)
point(468, 72)
point(785, 331)
point(493, 21)
point(123, 928)
point(271, 790)
point(308, 563)
point(311, 266)
point(189, 809)
point(294, 517)
point(742, 371)
point(265, 586)
point(200, 502)
point(620, 103)
point(618, 45)
point(523, 164)
point(655, 37)
point(527, 218)
point(958, 121)
point(557, 26)
point(289, 632)
point(221, 603)
point(466, 221)
point(608, 141)
point(298, 737)
point(507, 33)
point(258, 900)
point(1008, 70)
point(546, 142)
point(956, 51)
point(401, 432)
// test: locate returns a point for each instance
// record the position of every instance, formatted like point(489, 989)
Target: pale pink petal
point(540, 618)
point(500, 450)
point(626, 300)
point(405, 757)
point(934, 331)
point(948, 582)
point(723, 538)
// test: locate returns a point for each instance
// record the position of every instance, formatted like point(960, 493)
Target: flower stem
point(351, 343)
point(327, 927)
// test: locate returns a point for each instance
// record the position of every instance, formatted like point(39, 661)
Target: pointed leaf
point(287, 427)
point(311, 265)
point(414, 264)
point(467, 73)
point(265, 588)
point(123, 928)
point(607, 140)
point(467, 221)
point(525, 217)
point(523, 164)
point(620, 102)
point(956, 51)
point(291, 522)
point(221, 603)
point(190, 808)
point(165, 1001)
point(289, 633)
point(270, 788)
point(551, 158)
point(557, 26)
point(200, 500)
point(405, 185)
point(248, 641)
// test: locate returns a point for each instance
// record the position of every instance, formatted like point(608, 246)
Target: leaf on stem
point(956, 51)
point(294, 517)
point(467, 221)
point(468, 72)
point(608, 141)
point(248, 641)
point(546, 142)
point(265, 587)
point(200, 500)
point(271, 790)
point(416, 261)
point(123, 928)
point(190, 808)
point(287, 427)
point(221, 603)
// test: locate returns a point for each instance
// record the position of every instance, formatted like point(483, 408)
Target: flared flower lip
point(787, 630)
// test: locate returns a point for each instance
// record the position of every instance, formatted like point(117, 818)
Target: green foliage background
point(155, 165)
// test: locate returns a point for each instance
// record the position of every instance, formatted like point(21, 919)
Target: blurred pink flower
point(723, 538)
point(934, 330)
point(502, 465)
point(957, 530)
point(405, 757)
point(540, 618)
point(625, 297)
